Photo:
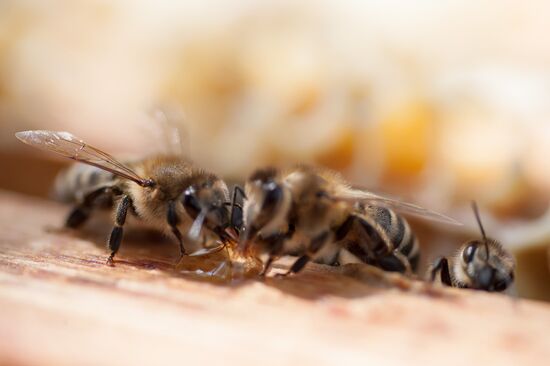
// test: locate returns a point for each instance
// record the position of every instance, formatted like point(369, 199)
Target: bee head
point(207, 201)
point(485, 262)
point(265, 195)
point(488, 267)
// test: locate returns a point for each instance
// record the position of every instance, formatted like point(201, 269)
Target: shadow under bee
point(348, 281)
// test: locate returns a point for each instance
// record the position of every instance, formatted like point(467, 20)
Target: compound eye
point(469, 253)
point(273, 194)
point(190, 202)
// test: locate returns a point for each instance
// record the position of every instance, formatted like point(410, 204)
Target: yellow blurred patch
point(406, 134)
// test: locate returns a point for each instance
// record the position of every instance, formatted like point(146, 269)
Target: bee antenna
point(478, 219)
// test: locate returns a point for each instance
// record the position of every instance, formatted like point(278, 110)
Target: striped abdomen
point(381, 238)
point(398, 232)
point(74, 183)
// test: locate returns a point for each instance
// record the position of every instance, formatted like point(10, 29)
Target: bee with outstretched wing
point(165, 190)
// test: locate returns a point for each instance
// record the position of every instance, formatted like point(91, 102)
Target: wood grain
point(61, 305)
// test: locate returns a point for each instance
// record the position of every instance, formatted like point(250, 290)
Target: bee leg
point(314, 246)
point(275, 243)
point(267, 265)
point(179, 237)
point(441, 265)
point(236, 215)
point(173, 221)
point(343, 230)
point(116, 234)
point(393, 262)
point(404, 261)
point(77, 216)
point(81, 212)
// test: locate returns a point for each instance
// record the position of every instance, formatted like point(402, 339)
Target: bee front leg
point(236, 214)
point(116, 234)
point(275, 243)
point(173, 221)
point(441, 265)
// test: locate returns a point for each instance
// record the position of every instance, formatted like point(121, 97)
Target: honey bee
point(165, 190)
point(315, 214)
point(479, 264)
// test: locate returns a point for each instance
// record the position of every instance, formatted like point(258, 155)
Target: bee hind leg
point(116, 234)
point(81, 212)
point(77, 217)
point(404, 261)
point(391, 263)
point(267, 266)
point(298, 265)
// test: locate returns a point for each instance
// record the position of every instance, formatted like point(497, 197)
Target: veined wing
point(70, 146)
point(354, 195)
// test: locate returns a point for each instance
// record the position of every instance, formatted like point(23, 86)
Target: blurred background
point(437, 102)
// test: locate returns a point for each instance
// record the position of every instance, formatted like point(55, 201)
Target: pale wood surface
point(61, 305)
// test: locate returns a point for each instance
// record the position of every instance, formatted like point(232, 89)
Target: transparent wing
point(354, 195)
point(165, 131)
point(70, 146)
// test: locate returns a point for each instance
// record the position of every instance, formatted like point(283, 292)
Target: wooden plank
point(61, 305)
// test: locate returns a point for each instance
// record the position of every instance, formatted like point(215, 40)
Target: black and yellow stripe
point(76, 182)
point(397, 229)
